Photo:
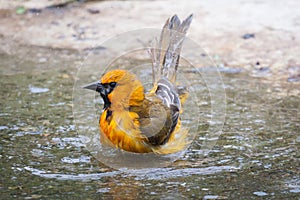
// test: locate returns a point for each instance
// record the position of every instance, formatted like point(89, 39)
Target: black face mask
point(103, 89)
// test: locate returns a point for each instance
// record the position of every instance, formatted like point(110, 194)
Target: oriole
point(142, 122)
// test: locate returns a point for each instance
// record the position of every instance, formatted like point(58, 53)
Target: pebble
point(93, 10)
point(248, 36)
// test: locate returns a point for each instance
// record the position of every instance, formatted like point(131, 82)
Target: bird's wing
point(155, 120)
point(159, 113)
point(168, 94)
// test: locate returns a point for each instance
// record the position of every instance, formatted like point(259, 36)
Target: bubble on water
point(35, 90)
point(81, 159)
point(260, 193)
point(209, 197)
point(3, 127)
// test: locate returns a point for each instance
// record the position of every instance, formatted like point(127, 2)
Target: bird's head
point(119, 89)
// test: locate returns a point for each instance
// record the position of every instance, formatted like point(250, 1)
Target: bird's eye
point(112, 84)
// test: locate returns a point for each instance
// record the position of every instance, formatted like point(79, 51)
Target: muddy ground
point(257, 36)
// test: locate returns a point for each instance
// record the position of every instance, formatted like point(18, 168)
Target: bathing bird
point(142, 121)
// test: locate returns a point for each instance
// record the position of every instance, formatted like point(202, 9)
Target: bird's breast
point(122, 132)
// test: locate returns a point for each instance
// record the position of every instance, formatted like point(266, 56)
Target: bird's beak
point(98, 87)
point(92, 86)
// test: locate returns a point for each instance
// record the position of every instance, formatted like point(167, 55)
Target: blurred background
point(248, 34)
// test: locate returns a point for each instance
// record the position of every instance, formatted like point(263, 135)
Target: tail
point(166, 54)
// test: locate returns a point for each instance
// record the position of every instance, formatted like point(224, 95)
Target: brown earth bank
point(261, 37)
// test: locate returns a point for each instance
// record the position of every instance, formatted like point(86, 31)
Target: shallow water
point(256, 156)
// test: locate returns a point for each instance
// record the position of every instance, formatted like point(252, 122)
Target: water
point(42, 157)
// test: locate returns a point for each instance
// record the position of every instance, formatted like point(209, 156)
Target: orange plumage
point(141, 122)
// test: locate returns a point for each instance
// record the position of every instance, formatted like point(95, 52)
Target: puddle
point(257, 155)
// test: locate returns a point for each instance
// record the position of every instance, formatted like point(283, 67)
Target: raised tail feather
point(166, 54)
